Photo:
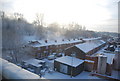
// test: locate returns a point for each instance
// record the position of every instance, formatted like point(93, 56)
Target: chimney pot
point(55, 40)
point(46, 41)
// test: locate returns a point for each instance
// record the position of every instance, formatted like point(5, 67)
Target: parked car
point(59, 55)
point(54, 53)
point(51, 57)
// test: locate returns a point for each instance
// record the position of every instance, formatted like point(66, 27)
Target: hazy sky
point(99, 15)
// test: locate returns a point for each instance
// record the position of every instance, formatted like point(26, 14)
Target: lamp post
point(73, 55)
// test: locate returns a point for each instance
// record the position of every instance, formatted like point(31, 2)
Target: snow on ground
point(58, 75)
point(116, 74)
point(49, 63)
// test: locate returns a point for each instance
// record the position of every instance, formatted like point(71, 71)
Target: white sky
point(99, 15)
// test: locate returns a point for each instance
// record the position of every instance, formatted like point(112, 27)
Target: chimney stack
point(81, 39)
point(102, 61)
point(46, 41)
point(55, 40)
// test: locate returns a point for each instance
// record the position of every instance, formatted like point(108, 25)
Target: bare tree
point(84, 28)
point(39, 19)
point(18, 16)
point(54, 27)
point(12, 33)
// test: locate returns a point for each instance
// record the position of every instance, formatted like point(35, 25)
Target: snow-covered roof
point(117, 50)
point(88, 46)
point(52, 42)
point(59, 42)
point(34, 62)
point(110, 57)
point(29, 38)
point(88, 39)
point(89, 61)
point(71, 61)
point(43, 43)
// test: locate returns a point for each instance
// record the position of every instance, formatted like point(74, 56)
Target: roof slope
point(34, 62)
point(86, 47)
point(71, 61)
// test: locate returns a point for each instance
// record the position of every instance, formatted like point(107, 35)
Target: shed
point(69, 65)
point(34, 64)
